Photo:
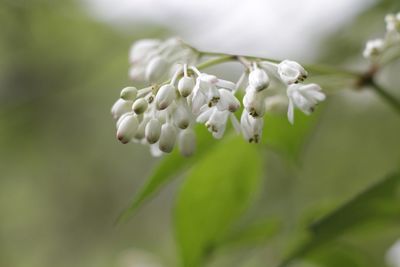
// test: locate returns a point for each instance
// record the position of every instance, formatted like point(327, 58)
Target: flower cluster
point(375, 48)
point(165, 113)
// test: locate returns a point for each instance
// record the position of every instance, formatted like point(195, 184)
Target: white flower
point(167, 138)
point(165, 96)
point(127, 128)
point(251, 127)
point(140, 49)
point(393, 255)
point(205, 91)
point(258, 79)
point(227, 101)
point(137, 73)
point(140, 132)
point(392, 29)
point(291, 72)
point(156, 69)
point(254, 102)
point(139, 106)
point(153, 131)
point(182, 115)
point(187, 142)
point(198, 99)
point(164, 113)
point(129, 93)
point(374, 48)
point(121, 118)
point(121, 107)
point(185, 86)
point(214, 119)
point(216, 124)
point(226, 84)
point(303, 97)
point(392, 22)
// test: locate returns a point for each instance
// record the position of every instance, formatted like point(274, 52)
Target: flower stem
point(216, 61)
point(321, 69)
point(391, 100)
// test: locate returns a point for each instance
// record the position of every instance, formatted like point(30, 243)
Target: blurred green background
point(64, 178)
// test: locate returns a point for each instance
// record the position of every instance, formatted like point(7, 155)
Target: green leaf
point(377, 203)
point(279, 134)
point(216, 192)
point(341, 254)
point(169, 167)
point(253, 233)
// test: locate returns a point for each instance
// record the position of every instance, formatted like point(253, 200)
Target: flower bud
point(165, 96)
point(127, 128)
point(120, 119)
point(258, 79)
point(153, 131)
point(167, 138)
point(156, 68)
point(187, 142)
point(140, 133)
point(185, 86)
point(291, 72)
point(182, 117)
point(120, 107)
point(140, 106)
point(129, 93)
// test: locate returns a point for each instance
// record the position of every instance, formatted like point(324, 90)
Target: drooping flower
point(258, 79)
point(304, 97)
point(291, 72)
point(251, 127)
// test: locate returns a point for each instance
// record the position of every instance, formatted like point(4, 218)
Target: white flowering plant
point(181, 94)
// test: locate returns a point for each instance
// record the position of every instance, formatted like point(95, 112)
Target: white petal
point(226, 84)
point(290, 112)
point(204, 116)
point(235, 123)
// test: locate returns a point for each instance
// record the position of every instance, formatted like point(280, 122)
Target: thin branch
point(390, 99)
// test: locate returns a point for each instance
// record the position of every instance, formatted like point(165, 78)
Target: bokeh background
point(64, 178)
